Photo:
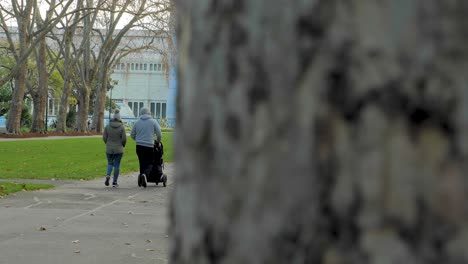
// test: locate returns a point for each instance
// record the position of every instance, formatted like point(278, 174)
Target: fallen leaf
point(128, 244)
point(77, 251)
point(75, 241)
point(42, 228)
point(130, 212)
point(167, 236)
point(148, 241)
point(149, 249)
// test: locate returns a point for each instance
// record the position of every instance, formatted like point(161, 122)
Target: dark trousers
point(145, 158)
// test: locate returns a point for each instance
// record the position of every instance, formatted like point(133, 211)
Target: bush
point(26, 118)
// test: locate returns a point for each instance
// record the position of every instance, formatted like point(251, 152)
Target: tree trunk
point(21, 54)
point(63, 108)
point(321, 132)
point(100, 104)
point(38, 117)
point(83, 109)
point(16, 106)
point(40, 104)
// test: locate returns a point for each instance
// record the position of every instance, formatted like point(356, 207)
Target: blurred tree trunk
point(321, 132)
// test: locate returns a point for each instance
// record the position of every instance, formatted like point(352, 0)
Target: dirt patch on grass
point(48, 134)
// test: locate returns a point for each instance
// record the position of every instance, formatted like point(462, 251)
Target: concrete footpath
point(87, 222)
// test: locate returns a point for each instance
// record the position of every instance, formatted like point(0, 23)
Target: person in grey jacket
point(115, 138)
point(143, 132)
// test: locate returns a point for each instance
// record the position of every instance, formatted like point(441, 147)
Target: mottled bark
point(100, 104)
point(83, 109)
point(40, 97)
point(63, 107)
point(24, 37)
point(321, 132)
point(16, 105)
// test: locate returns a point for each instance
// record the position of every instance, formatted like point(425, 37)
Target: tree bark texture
point(321, 132)
point(16, 106)
point(100, 104)
point(83, 107)
point(63, 108)
point(40, 104)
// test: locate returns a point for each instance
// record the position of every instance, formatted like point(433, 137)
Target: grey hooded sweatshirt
point(144, 129)
point(114, 136)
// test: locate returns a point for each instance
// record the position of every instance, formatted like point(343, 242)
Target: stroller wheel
point(164, 180)
point(139, 180)
point(143, 180)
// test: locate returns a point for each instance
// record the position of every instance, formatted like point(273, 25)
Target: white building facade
point(141, 80)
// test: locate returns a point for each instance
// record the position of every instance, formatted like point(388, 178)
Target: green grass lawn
point(71, 158)
point(11, 187)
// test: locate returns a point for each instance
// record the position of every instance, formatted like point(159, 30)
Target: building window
point(136, 107)
point(144, 66)
point(152, 109)
point(151, 66)
point(128, 66)
point(158, 110)
point(51, 106)
point(159, 67)
point(163, 110)
point(136, 66)
point(122, 66)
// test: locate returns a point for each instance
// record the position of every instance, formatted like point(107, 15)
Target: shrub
point(26, 118)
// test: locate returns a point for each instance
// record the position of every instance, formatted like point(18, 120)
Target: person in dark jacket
point(115, 138)
point(143, 132)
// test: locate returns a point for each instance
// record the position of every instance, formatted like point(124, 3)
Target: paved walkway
point(86, 222)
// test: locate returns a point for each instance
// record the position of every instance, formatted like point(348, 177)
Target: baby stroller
point(156, 174)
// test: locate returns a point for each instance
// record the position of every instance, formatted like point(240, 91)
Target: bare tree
point(40, 95)
point(112, 46)
point(321, 132)
point(22, 44)
point(23, 12)
point(67, 32)
point(86, 66)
